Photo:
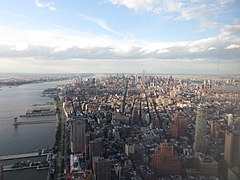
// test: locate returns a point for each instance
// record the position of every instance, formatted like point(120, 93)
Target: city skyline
point(194, 37)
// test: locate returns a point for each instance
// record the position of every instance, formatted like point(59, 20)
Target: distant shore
point(18, 82)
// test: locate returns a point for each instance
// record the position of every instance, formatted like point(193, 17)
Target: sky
point(120, 36)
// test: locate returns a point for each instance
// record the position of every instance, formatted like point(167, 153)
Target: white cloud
point(41, 4)
point(54, 51)
point(231, 30)
point(136, 4)
point(205, 13)
point(211, 48)
point(101, 22)
point(47, 45)
point(233, 46)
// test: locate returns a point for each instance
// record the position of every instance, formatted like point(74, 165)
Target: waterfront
point(16, 101)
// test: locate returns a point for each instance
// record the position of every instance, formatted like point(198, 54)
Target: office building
point(207, 166)
point(129, 149)
point(95, 148)
point(200, 140)
point(101, 168)
point(230, 120)
point(215, 130)
point(179, 126)
point(77, 137)
point(232, 147)
point(165, 160)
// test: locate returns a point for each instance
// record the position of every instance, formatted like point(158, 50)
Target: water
point(228, 88)
point(16, 101)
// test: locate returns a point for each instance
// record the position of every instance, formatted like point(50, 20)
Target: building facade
point(101, 168)
point(179, 126)
point(77, 138)
point(200, 139)
point(232, 148)
point(165, 160)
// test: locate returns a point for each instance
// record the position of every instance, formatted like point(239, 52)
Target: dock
point(35, 122)
point(16, 122)
point(25, 164)
point(19, 156)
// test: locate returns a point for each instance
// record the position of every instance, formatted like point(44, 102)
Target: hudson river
point(16, 101)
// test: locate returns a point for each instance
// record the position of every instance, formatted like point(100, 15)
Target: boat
point(15, 121)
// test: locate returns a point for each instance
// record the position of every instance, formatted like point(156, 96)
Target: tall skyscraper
point(124, 97)
point(95, 148)
point(179, 125)
point(101, 168)
point(78, 135)
point(230, 120)
point(215, 130)
point(165, 160)
point(200, 140)
point(232, 147)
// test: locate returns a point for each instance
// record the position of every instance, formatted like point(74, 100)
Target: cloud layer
point(224, 48)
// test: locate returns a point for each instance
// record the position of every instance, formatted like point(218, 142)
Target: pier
point(37, 115)
point(26, 164)
point(19, 156)
point(16, 122)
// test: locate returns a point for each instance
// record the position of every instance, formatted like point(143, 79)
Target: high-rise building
point(101, 168)
point(206, 165)
point(179, 125)
point(165, 160)
point(95, 148)
point(215, 130)
point(230, 120)
point(232, 147)
point(87, 140)
point(78, 135)
point(200, 140)
point(172, 94)
point(129, 148)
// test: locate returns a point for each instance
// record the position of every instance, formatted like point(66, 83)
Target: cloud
point(211, 48)
point(233, 46)
point(41, 4)
point(206, 13)
point(100, 22)
point(231, 30)
point(46, 45)
point(236, 21)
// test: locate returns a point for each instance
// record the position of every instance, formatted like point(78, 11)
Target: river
point(16, 101)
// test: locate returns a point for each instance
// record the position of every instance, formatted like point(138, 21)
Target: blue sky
point(158, 36)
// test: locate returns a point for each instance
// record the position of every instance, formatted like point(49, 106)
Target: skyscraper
point(232, 147)
point(200, 141)
point(165, 160)
point(230, 120)
point(101, 168)
point(179, 125)
point(78, 135)
point(95, 148)
point(215, 130)
point(124, 97)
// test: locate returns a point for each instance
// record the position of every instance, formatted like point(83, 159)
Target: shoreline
point(16, 84)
